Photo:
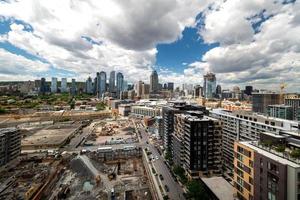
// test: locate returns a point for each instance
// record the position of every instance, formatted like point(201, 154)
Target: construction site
point(112, 132)
point(114, 174)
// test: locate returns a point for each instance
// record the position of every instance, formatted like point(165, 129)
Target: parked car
point(161, 177)
point(166, 188)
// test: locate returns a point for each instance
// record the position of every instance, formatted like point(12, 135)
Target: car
point(166, 188)
point(161, 177)
point(156, 157)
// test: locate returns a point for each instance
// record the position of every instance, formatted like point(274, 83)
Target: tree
point(280, 148)
point(168, 155)
point(180, 172)
point(101, 106)
point(196, 191)
point(2, 111)
point(295, 153)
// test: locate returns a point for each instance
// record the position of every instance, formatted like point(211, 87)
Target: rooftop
point(272, 154)
point(220, 187)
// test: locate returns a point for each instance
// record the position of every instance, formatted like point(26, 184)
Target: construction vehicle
point(98, 180)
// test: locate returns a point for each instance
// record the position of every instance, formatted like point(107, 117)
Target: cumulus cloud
point(19, 66)
point(259, 42)
point(121, 35)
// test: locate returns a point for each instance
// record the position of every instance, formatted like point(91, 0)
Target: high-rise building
point(54, 85)
point(294, 102)
point(261, 101)
point(97, 82)
point(168, 113)
point(145, 90)
point(245, 126)
point(196, 144)
point(101, 84)
point(89, 85)
point(280, 111)
point(63, 87)
point(154, 82)
point(43, 87)
point(120, 80)
point(219, 91)
point(125, 86)
point(198, 91)
point(139, 89)
point(95, 86)
point(10, 145)
point(112, 81)
point(73, 87)
point(248, 90)
point(170, 86)
point(209, 85)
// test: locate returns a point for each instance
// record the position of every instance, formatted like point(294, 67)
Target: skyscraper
point(248, 90)
point(54, 85)
point(154, 82)
point(120, 79)
point(102, 84)
point(63, 87)
point(112, 81)
point(89, 85)
point(209, 85)
point(170, 86)
point(97, 82)
point(73, 87)
point(139, 86)
point(43, 87)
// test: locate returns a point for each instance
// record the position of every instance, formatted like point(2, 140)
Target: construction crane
point(282, 87)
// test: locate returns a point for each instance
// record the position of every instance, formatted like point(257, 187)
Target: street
point(175, 190)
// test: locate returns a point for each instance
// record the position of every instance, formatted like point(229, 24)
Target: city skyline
point(194, 43)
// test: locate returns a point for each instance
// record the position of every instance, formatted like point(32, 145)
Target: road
point(175, 190)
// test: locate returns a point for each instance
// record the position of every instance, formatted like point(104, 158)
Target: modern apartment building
point(268, 174)
point(294, 102)
point(10, 145)
point(196, 144)
point(243, 171)
point(261, 101)
point(168, 113)
point(145, 111)
point(245, 126)
point(280, 111)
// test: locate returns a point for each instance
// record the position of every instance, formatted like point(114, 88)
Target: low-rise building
point(10, 145)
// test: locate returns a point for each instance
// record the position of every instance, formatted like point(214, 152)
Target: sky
point(253, 42)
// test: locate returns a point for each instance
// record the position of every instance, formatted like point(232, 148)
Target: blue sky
point(243, 42)
point(188, 49)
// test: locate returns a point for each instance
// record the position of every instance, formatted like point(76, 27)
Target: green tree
point(280, 148)
point(2, 111)
point(101, 106)
point(180, 172)
point(295, 153)
point(196, 191)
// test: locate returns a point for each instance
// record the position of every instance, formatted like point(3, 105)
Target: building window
point(271, 196)
point(239, 157)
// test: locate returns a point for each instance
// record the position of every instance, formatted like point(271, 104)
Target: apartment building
point(245, 126)
point(267, 173)
point(196, 144)
point(168, 112)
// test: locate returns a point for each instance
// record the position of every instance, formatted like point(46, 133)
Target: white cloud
point(265, 58)
point(13, 65)
point(127, 32)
